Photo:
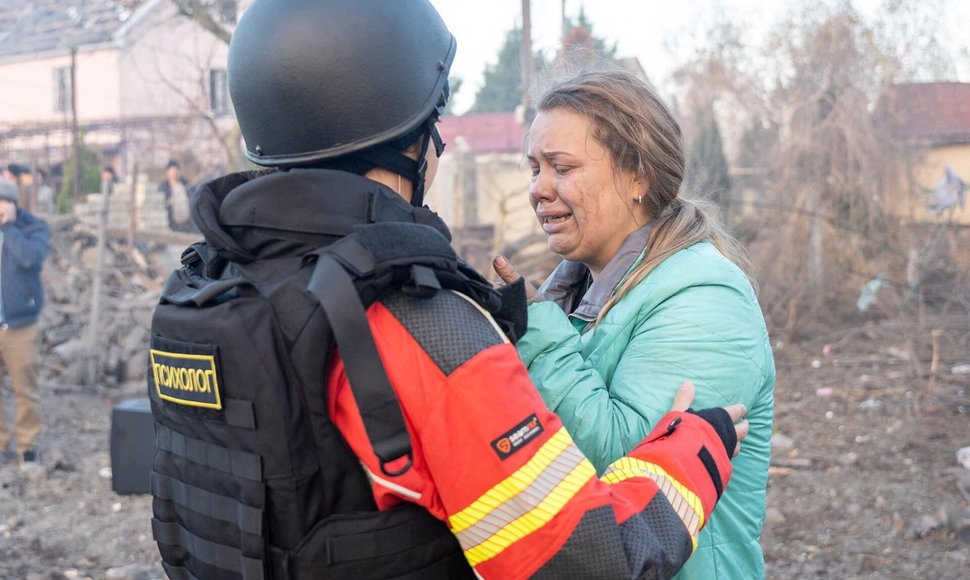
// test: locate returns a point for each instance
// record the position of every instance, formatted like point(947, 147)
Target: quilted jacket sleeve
point(693, 318)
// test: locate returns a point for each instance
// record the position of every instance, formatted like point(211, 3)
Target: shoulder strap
point(353, 272)
point(379, 409)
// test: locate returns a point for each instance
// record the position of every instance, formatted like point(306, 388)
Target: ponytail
point(681, 224)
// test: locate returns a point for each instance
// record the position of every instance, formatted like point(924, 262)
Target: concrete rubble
point(133, 279)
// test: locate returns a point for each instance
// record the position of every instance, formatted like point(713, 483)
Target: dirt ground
point(864, 484)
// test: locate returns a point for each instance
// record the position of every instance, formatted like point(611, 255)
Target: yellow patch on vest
point(186, 379)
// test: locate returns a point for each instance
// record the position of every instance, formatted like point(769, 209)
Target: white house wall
point(29, 93)
point(165, 65)
point(143, 93)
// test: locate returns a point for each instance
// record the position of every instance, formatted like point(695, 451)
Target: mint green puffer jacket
point(695, 317)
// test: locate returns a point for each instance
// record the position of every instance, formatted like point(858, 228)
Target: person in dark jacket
point(175, 188)
point(24, 239)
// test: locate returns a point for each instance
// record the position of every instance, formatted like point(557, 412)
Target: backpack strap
point(379, 409)
point(354, 271)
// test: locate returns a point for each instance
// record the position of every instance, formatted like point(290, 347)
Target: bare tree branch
point(202, 13)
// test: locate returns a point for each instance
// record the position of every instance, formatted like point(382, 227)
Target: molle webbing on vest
point(234, 462)
point(225, 509)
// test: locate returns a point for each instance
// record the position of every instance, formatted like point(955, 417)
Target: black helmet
point(313, 80)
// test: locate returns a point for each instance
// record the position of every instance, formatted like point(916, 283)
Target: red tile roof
point(935, 112)
point(484, 132)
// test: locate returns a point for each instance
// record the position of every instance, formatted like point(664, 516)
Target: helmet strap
point(397, 162)
point(431, 135)
point(417, 196)
point(392, 160)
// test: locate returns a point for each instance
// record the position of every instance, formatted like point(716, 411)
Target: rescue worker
point(339, 100)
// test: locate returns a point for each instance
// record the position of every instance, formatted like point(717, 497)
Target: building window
point(62, 89)
point(218, 91)
point(228, 11)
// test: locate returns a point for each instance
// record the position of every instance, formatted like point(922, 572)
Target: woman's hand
point(508, 275)
point(685, 396)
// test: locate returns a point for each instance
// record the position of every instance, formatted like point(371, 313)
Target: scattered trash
point(948, 193)
point(955, 518)
point(868, 293)
point(781, 442)
point(116, 507)
point(900, 353)
point(824, 391)
point(963, 457)
point(961, 370)
point(871, 404)
point(104, 473)
point(131, 572)
point(827, 350)
point(829, 414)
point(774, 516)
point(816, 364)
point(924, 525)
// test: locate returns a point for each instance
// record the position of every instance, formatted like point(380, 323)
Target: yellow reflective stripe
point(684, 501)
point(531, 521)
point(513, 484)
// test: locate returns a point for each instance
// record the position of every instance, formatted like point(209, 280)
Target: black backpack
point(250, 478)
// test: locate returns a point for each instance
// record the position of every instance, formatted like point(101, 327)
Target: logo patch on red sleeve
point(517, 437)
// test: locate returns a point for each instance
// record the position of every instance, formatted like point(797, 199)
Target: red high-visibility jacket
point(497, 466)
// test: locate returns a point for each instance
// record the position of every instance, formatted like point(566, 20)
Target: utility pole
point(75, 138)
point(564, 31)
point(525, 55)
point(95, 356)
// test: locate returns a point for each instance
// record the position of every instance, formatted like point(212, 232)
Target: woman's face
point(585, 208)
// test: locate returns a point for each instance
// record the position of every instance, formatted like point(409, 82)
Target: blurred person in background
point(46, 200)
point(24, 242)
point(22, 177)
point(175, 188)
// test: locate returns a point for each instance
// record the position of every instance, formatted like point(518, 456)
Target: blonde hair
point(642, 136)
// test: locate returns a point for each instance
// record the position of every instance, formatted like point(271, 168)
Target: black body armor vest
point(251, 479)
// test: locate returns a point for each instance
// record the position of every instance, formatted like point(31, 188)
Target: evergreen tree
point(502, 82)
point(90, 178)
point(501, 89)
point(580, 38)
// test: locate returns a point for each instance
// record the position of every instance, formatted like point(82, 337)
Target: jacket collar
point(578, 294)
point(260, 214)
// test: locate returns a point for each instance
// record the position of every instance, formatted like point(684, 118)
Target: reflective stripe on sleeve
point(684, 501)
point(524, 501)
